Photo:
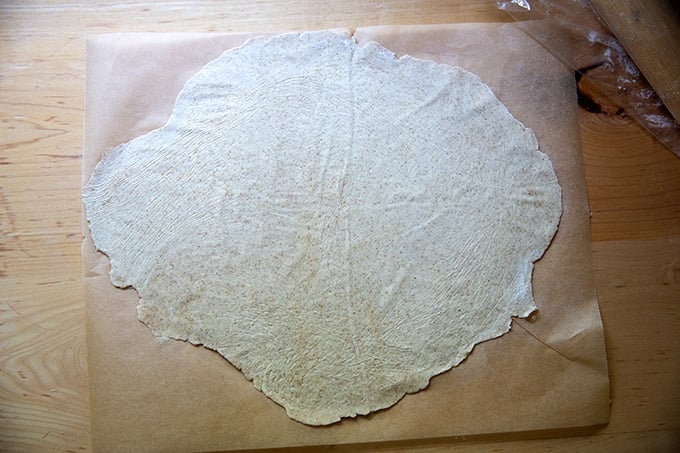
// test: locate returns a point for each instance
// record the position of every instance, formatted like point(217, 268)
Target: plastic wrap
point(608, 81)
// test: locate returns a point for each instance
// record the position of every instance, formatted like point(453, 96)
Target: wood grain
point(633, 181)
point(633, 184)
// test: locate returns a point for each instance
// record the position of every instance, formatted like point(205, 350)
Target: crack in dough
point(338, 223)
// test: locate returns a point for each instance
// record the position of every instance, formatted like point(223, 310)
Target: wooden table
point(633, 185)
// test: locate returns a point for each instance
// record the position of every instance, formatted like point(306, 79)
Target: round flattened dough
point(340, 224)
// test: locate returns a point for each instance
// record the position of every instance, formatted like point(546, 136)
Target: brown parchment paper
point(548, 372)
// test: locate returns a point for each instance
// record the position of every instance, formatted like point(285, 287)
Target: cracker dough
point(340, 224)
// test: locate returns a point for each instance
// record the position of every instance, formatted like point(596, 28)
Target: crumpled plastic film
point(608, 80)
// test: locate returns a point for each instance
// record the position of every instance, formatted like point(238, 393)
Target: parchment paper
point(549, 372)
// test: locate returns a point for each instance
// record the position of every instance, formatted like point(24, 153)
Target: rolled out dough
point(339, 224)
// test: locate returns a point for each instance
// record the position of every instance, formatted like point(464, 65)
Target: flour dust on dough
point(338, 223)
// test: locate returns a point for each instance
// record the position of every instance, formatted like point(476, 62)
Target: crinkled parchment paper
point(544, 374)
point(340, 224)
